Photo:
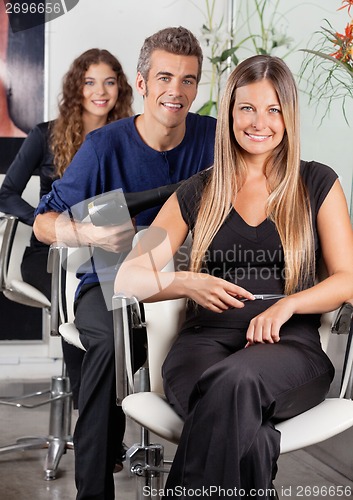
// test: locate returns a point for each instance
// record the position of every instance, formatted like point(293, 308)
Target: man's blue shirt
point(115, 157)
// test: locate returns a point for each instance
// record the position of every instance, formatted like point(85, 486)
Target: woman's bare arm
point(141, 274)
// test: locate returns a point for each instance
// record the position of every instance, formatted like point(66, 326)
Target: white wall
point(332, 141)
point(117, 25)
point(121, 27)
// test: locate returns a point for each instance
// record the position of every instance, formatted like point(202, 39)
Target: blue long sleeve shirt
point(115, 157)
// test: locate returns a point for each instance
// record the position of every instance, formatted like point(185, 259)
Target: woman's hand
point(215, 294)
point(265, 327)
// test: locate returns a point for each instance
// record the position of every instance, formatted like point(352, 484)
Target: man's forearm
point(53, 227)
point(44, 227)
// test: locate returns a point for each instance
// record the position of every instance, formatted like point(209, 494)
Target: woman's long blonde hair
point(288, 205)
point(67, 132)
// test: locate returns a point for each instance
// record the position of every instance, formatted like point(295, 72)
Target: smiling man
point(164, 145)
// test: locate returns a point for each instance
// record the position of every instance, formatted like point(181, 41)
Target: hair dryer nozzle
point(115, 208)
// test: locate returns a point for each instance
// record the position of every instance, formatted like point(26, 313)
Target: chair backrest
point(14, 238)
point(8, 227)
point(163, 320)
point(23, 232)
point(327, 320)
point(63, 264)
point(75, 258)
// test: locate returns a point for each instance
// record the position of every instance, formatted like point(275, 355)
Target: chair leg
point(59, 438)
point(25, 443)
point(146, 460)
point(146, 463)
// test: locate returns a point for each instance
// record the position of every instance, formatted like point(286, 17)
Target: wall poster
point(21, 74)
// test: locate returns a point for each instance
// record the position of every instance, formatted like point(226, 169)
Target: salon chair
point(152, 412)
point(147, 405)
point(15, 237)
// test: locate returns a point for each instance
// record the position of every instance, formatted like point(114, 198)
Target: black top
point(251, 257)
point(33, 158)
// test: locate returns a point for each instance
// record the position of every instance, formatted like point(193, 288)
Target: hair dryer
point(116, 207)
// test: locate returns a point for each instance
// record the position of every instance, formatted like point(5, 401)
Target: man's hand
point(111, 238)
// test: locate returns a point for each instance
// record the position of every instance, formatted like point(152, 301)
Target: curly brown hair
point(67, 130)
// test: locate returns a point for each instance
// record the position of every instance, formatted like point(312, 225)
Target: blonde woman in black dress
point(260, 220)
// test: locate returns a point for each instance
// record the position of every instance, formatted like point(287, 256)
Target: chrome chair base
point(59, 438)
point(146, 462)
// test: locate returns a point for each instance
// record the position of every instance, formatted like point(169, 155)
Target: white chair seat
point(325, 420)
point(152, 411)
point(332, 416)
point(26, 294)
point(71, 335)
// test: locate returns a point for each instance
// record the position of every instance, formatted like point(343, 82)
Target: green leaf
point(215, 60)
point(224, 56)
point(207, 107)
point(235, 60)
point(228, 53)
point(329, 58)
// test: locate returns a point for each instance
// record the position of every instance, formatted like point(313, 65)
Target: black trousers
point(101, 424)
point(230, 398)
point(34, 272)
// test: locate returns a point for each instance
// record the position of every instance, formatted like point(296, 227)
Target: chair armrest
point(11, 222)
point(343, 320)
point(126, 316)
point(56, 256)
point(343, 324)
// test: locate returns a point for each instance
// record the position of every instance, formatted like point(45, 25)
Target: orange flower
point(345, 44)
point(348, 34)
point(349, 5)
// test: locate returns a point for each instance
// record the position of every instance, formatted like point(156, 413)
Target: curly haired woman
point(95, 92)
